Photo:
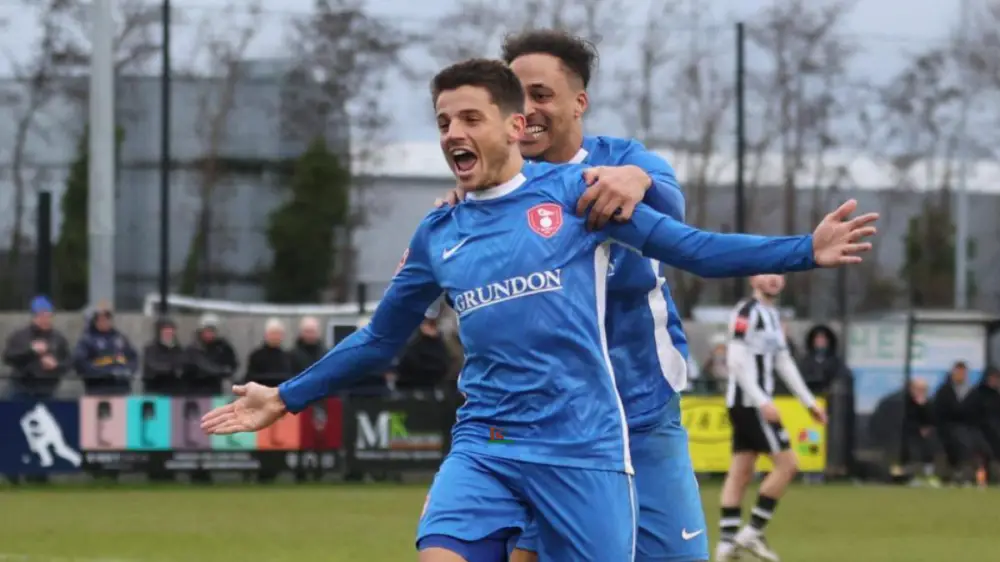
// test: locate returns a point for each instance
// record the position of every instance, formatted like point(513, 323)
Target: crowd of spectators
point(953, 429)
point(106, 362)
point(957, 430)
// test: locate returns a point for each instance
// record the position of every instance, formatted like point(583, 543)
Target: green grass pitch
point(352, 523)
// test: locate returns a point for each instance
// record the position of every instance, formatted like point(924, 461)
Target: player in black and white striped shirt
point(756, 351)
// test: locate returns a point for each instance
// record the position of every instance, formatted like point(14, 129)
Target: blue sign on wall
point(39, 437)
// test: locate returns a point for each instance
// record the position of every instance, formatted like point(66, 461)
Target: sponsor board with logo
point(706, 420)
point(39, 437)
point(157, 434)
point(403, 434)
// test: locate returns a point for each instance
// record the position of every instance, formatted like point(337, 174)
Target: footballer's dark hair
point(577, 55)
point(492, 75)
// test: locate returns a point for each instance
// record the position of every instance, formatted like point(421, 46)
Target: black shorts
point(753, 434)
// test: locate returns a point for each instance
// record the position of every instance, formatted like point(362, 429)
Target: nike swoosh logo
point(688, 536)
point(451, 251)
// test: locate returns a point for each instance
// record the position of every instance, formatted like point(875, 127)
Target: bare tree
point(979, 54)
point(480, 26)
point(224, 50)
point(35, 84)
point(136, 42)
point(800, 93)
point(477, 29)
point(61, 50)
point(675, 97)
point(639, 92)
point(922, 134)
point(921, 123)
point(977, 50)
point(703, 99)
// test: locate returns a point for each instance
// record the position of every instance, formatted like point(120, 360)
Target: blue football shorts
point(671, 519)
point(581, 515)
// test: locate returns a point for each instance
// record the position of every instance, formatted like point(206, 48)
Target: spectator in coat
point(163, 362)
point(104, 358)
point(210, 359)
point(269, 364)
point(309, 346)
point(987, 398)
point(38, 354)
point(821, 364)
point(956, 412)
point(425, 360)
point(919, 431)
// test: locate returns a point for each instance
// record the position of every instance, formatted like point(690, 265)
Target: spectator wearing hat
point(822, 364)
point(163, 362)
point(104, 358)
point(210, 359)
point(38, 354)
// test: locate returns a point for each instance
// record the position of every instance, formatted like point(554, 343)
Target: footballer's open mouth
point(463, 159)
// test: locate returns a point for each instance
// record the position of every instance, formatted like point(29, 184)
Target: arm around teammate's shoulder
point(664, 194)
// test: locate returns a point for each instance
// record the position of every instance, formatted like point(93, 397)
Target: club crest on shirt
point(545, 219)
point(402, 262)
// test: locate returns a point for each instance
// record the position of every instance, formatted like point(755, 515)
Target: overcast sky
point(885, 31)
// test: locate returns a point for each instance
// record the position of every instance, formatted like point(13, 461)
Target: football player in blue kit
point(529, 283)
point(648, 346)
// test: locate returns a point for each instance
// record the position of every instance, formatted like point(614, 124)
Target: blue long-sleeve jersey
point(648, 346)
point(646, 338)
point(529, 284)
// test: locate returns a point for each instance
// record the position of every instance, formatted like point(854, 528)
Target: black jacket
point(305, 354)
point(424, 362)
point(918, 416)
point(163, 368)
point(269, 365)
point(950, 410)
point(986, 405)
point(29, 375)
point(206, 365)
point(820, 368)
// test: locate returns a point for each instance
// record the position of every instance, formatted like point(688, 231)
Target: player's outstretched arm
point(367, 351)
point(370, 350)
point(836, 241)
